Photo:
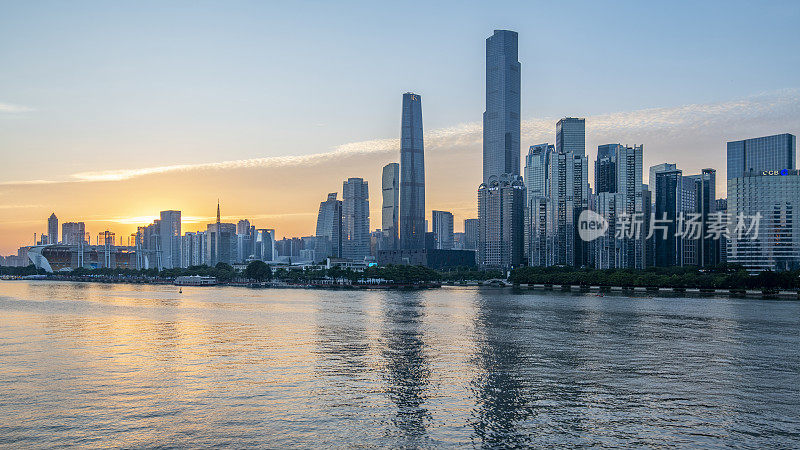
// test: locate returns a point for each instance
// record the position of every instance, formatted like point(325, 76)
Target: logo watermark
point(718, 225)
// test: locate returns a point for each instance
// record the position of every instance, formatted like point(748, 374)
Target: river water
point(132, 365)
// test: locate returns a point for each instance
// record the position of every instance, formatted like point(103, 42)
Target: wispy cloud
point(641, 123)
point(9, 108)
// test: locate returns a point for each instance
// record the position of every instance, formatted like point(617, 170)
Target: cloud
point(642, 125)
point(9, 108)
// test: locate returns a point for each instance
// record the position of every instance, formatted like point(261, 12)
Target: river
point(136, 365)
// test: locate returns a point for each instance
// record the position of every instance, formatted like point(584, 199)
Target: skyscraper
point(571, 136)
point(221, 242)
point(754, 155)
point(52, 229)
point(501, 210)
point(668, 196)
point(471, 234)
point(651, 182)
point(501, 196)
point(329, 227)
point(569, 195)
point(774, 196)
point(170, 239)
point(501, 121)
point(355, 219)
point(443, 229)
point(537, 206)
point(73, 233)
point(390, 216)
point(707, 247)
point(412, 175)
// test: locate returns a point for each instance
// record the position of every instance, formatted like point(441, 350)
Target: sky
point(113, 111)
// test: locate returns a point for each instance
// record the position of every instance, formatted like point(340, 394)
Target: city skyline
point(100, 194)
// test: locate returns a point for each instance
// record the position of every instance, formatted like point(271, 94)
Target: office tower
point(471, 234)
point(707, 248)
point(648, 210)
point(221, 242)
point(412, 175)
point(501, 229)
point(629, 186)
point(458, 241)
point(651, 182)
point(443, 229)
point(607, 249)
point(390, 217)
point(775, 197)
point(668, 195)
point(618, 170)
point(605, 168)
point(537, 188)
point(245, 239)
point(329, 226)
point(264, 246)
point(170, 239)
point(755, 155)
point(73, 233)
point(569, 197)
point(501, 121)
point(571, 136)
point(355, 218)
point(243, 227)
point(52, 229)
point(192, 250)
point(721, 207)
point(536, 163)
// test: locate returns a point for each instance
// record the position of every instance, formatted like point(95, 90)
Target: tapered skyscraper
point(412, 175)
point(501, 120)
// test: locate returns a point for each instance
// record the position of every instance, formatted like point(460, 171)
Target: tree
point(258, 270)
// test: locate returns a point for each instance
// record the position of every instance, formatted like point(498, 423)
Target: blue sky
point(99, 86)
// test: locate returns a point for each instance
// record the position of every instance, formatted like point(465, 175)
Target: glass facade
point(501, 121)
point(775, 197)
point(571, 136)
point(754, 155)
point(355, 219)
point(412, 175)
point(390, 214)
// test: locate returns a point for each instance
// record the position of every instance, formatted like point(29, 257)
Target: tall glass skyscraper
point(751, 156)
point(329, 225)
point(390, 183)
point(501, 144)
point(571, 136)
point(355, 219)
point(412, 175)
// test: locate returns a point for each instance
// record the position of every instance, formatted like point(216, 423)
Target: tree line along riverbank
point(718, 277)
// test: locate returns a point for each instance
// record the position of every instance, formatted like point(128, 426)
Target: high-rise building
point(629, 186)
point(571, 136)
point(569, 197)
point(245, 240)
point(243, 227)
point(501, 196)
point(220, 242)
point(605, 168)
point(501, 229)
point(471, 234)
point(390, 217)
point(412, 175)
point(52, 229)
point(707, 247)
point(651, 182)
point(501, 121)
point(443, 229)
point(537, 188)
point(752, 156)
point(355, 219)
point(192, 249)
point(73, 233)
point(772, 198)
point(329, 227)
point(264, 245)
point(668, 198)
point(170, 239)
